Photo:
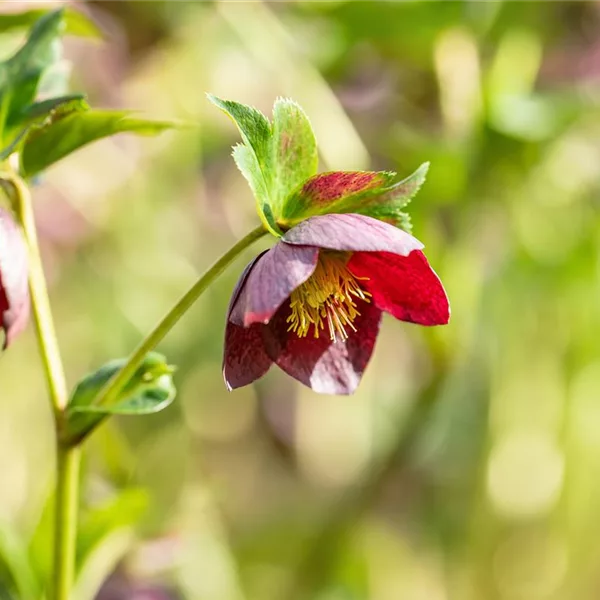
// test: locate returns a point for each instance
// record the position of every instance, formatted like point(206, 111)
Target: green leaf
point(106, 534)
point(124, 510)
point(76, 23)
point(274, 158)
point(103, 561)
point(363, 192)
point(42, 114)
point(50, 144)
point(247, 163)
point(253, 157)
point(21, 74)
point(294, 151)
point(59, 106)
point(150, 390)
point(253, 125)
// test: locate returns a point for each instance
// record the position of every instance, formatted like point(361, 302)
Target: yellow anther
point(328, 296)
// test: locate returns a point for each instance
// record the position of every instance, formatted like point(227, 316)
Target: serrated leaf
point(393, 216)
point(150, 390)
point(247, 163)
point(51, 144)
point(252, 124)
point(274, 158)
point(253, 157)
point(294, 151)
point(76, 23)
point(363, 192)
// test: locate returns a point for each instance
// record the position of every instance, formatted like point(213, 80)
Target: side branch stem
point(110, 393)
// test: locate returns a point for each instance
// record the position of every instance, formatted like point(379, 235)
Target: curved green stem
point(110, 393)
point(40, 303)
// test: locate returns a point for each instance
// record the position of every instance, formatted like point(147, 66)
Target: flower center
point(327, 296)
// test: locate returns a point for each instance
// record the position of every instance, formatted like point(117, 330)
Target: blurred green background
point(467, 467)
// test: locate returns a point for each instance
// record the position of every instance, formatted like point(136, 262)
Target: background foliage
point(466, 467)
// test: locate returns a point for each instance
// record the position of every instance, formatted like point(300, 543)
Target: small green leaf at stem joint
point(150, 390)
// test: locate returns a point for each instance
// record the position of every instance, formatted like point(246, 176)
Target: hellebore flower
point(312, 304)
point(14, 293)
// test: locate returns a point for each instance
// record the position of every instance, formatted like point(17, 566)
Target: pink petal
point(404, 286)
point(14, 291)
point(325, 366)
point(272, 279)
point(352, 232)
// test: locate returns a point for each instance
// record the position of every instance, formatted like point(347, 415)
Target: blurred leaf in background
point(466, 466)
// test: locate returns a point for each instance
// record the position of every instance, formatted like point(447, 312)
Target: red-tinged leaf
point(363, 192)
point(14, 291)
point(323, 191)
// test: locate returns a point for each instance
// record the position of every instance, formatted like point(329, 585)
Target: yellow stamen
point(329, 295)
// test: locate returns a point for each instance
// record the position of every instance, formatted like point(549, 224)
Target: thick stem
point(65, 521)
point(110, 393)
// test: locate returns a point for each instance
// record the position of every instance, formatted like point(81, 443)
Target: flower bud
point(14, 291)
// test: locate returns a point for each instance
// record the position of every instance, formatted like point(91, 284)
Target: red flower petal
point(244, 357)
point(14, 291)
point(404, 286)
point(272, 279)
point(352, 232)
point(319, 363)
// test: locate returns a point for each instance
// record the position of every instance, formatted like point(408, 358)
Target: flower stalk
point(110, 393)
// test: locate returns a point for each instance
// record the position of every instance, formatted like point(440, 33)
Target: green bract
point(279, 160)
point(275, 158)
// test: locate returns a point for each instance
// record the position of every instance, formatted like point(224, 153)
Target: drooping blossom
point(313, 303)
